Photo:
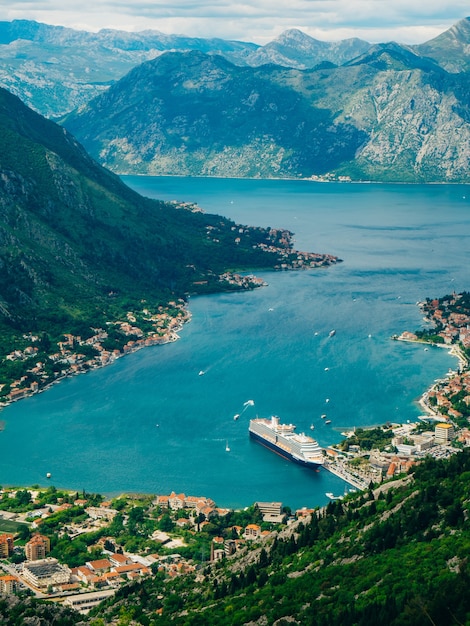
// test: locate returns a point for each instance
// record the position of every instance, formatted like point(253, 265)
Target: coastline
point(165, 325)
point(335, 470)
point(146, 342)
point(455, 351)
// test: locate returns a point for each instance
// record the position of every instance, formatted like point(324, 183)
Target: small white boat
point(327, 400)
point(312, 426)
point(227, 448)
point(235, 417)
point(328, 422)
point(332, 333)
point(48, 475)
point(323, 416)
point(201, 373)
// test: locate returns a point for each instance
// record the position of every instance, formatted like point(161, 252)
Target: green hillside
point(77, 246)
point(394, 555)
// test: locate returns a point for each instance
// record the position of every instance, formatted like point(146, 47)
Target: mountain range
point(150, 103)
point(55, 69)
point(388, 115)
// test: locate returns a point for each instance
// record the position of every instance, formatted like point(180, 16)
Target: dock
point(341, 472)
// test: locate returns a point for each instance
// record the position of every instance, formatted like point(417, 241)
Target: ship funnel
point(274, 421)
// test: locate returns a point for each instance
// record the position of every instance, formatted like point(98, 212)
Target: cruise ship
point(283, 440)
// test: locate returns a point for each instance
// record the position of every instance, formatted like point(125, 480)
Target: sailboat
point(227, 448)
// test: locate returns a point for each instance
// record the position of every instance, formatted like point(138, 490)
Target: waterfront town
point(79, 548)
point(74, 354)
point(448, 399)
point(177, 533)
point(443, 430)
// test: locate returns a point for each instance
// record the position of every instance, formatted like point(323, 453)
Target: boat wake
point(246, 405)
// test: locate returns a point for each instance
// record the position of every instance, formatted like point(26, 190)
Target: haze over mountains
point(296, 107)
point(43, 56)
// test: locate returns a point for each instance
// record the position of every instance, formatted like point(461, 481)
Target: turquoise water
point(150, 423)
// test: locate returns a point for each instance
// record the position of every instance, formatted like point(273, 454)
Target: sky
point(258, 21)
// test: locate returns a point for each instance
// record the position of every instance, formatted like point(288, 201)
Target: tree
point(166, 524)
point(23, 532)
point(136, 515)
point(23, 498)
point(263, 558)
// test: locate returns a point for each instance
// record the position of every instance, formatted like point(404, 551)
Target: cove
point(149, 422)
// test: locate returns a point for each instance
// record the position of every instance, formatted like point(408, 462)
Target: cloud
point(406, 21)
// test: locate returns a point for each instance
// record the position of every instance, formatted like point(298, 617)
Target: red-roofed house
point(37, 548)
point(132, 571)
point(117, 560)
point(392, 468)
point(163, 501)
point(176, 501)
point(6, 545)
point(252, 531)
point(84, 574)
point(100, 565)
point(8, 584)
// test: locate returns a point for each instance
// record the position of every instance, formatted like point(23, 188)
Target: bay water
point(149, 423)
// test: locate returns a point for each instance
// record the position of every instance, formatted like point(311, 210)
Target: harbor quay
point(338, 469)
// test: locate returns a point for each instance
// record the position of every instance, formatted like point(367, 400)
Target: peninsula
point(92, 270)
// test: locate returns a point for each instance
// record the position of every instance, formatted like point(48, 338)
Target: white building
point(83, 602)
point(443, 433)
point(46, 572)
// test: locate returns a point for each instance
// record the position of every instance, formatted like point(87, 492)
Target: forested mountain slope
point(77, 245)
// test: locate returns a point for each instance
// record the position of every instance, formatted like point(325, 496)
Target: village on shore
point(75, 355)
point(448, 399)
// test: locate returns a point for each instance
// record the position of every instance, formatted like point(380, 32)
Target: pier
point(340, 471)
